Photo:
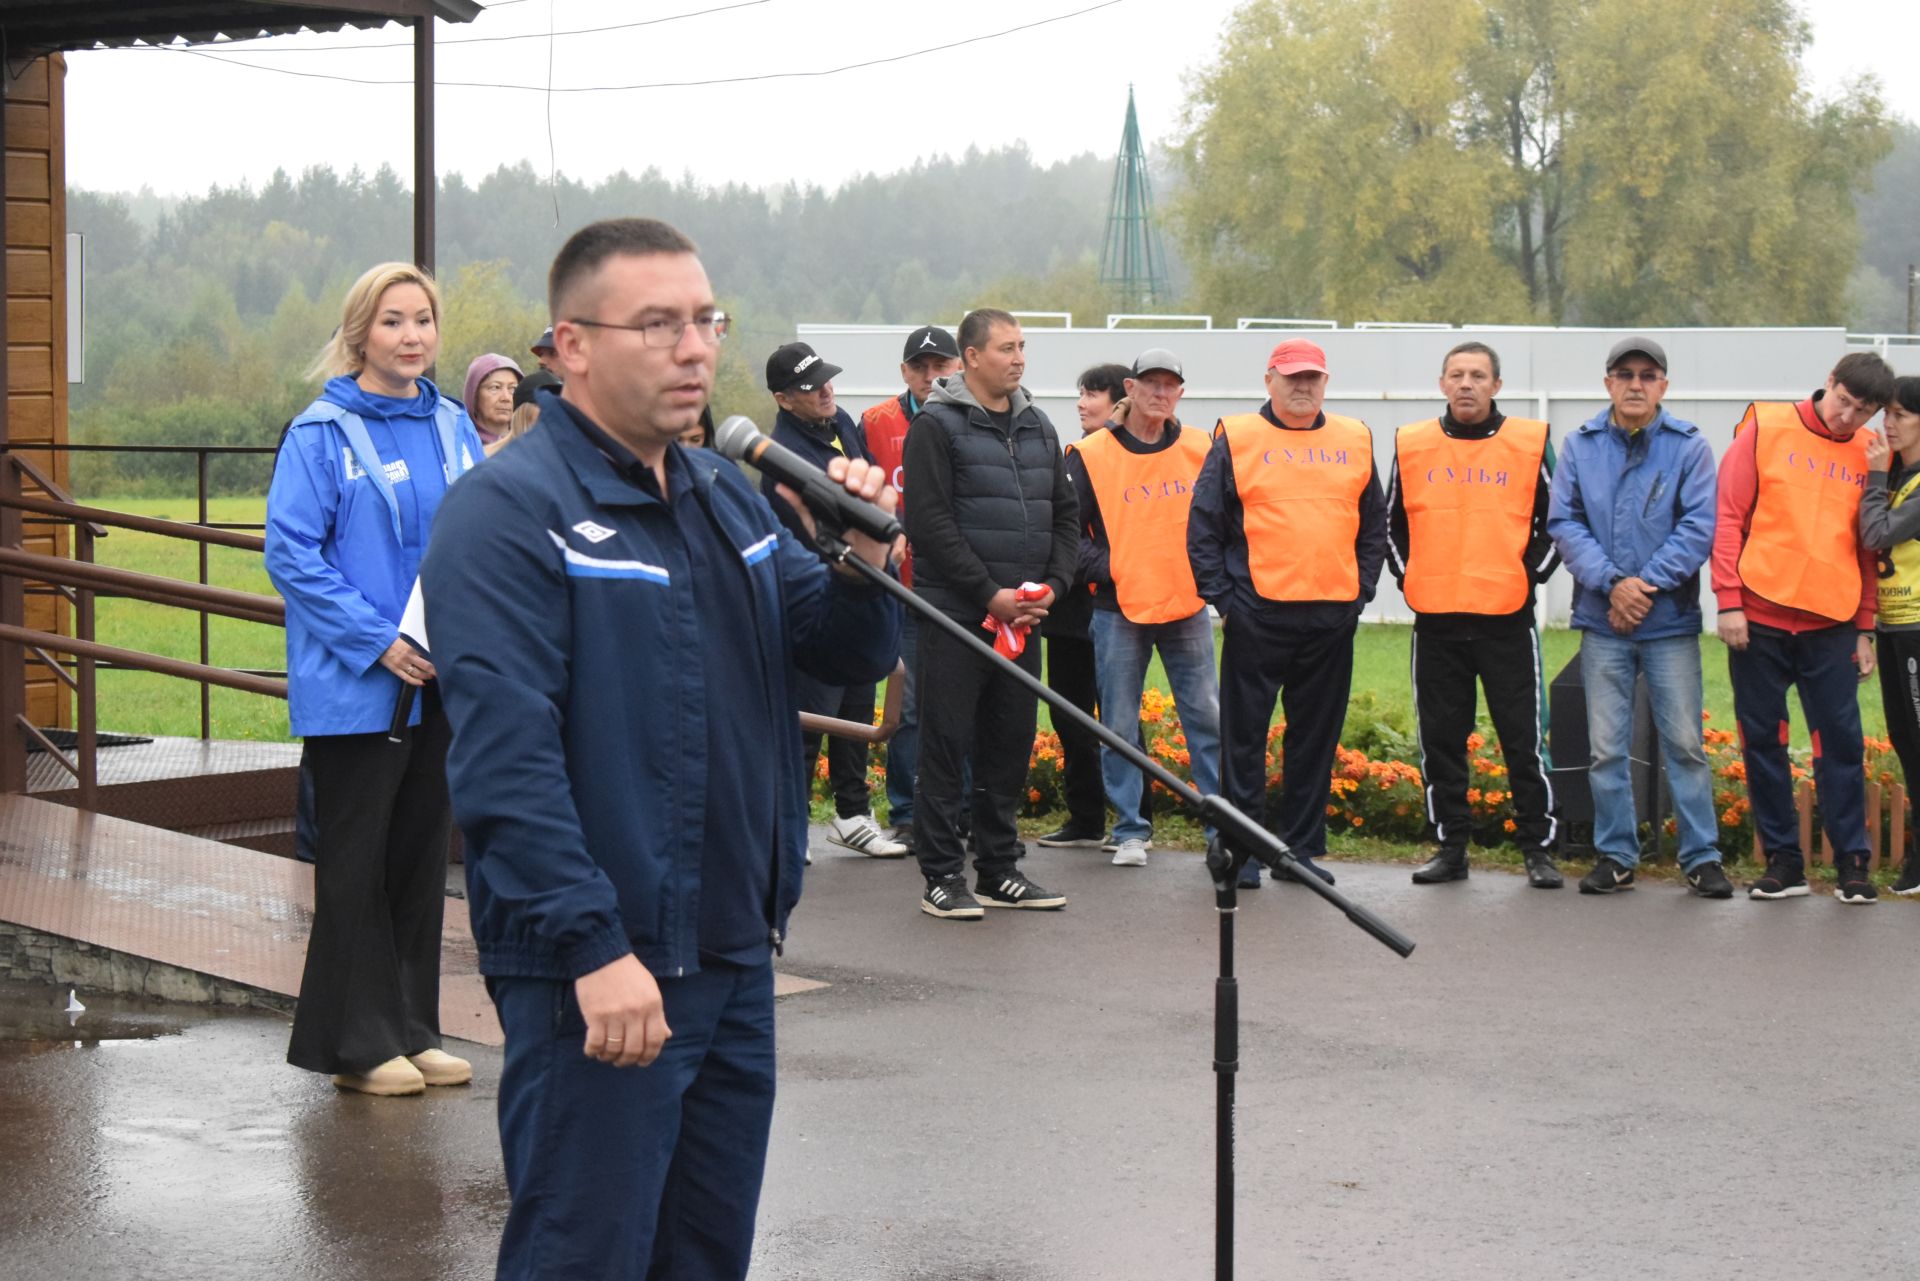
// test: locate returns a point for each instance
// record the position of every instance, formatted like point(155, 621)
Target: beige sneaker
point(395, 1076)
point(441, 1068)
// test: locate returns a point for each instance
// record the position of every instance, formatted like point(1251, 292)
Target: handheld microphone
point(741, 441)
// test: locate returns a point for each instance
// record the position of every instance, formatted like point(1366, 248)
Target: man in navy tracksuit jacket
point(617, 622)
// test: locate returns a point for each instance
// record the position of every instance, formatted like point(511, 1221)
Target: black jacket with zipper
point(991, 508)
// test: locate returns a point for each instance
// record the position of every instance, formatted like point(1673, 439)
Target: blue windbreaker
point(1635, 506)
point(347, 524)
point(564, 628)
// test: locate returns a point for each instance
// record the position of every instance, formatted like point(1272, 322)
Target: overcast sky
point(180, 122)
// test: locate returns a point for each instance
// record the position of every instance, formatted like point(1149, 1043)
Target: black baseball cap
point(930, 340)
point(538, 380)
point(797, 367)
point(1637, 346)
point(544, 342)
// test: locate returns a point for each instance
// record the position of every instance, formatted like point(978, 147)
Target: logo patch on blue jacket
point(581, 565)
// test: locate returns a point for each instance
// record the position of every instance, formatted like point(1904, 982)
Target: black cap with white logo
point(796, 367)
point(930, 340)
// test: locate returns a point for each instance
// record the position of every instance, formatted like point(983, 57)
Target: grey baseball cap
point(1158, 358)
point(1637, 346)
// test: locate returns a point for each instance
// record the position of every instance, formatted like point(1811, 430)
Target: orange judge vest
point(1300, 501)
point(1144, 503)
point(1802, 549)
point(1469, 515)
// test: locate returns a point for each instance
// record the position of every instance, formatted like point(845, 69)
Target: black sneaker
point(1709, 880)
point(1909, 879)
point(1249, 878)
point(1855, 883)
point(1608, 876)
point(1071, 837)
point(1011, 889)
point(947, 898)
point(1784, 878)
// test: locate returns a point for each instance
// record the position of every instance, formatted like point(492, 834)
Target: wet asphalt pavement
point(1554, 1086)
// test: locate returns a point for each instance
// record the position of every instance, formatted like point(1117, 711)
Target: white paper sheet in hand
point(413, 622)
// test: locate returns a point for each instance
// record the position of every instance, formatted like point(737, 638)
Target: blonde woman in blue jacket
point(359, 476)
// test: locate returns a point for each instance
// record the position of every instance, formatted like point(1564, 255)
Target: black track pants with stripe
point(1507, 664)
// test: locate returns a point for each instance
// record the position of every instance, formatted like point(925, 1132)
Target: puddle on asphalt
point(35, 1016)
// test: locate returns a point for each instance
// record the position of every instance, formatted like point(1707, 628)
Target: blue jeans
point(904, 746)
point(1121, 652)
point(633, 1174)
point(1608, 667)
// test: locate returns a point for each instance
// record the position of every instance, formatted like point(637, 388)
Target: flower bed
point(1376, 786)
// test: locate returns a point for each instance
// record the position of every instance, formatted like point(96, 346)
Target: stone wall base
point(31, 956)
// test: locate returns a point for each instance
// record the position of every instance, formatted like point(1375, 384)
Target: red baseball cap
point(1297, 356)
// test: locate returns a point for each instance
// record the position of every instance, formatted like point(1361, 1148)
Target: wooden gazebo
point(35, 34)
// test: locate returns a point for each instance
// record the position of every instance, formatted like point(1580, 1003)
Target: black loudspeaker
point(1567, 722)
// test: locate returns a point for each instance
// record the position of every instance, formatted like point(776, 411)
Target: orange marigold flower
point(1033, 794)
point(1511, 826)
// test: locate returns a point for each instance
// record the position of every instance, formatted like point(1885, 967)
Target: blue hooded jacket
point(347, 524)
point(1639, 505)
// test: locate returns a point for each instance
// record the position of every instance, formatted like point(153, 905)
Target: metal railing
point(208, 533)
point(79, 580)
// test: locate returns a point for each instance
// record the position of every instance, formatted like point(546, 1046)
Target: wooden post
point(1873, 827)
point(1803, 802)
point(1897, 822)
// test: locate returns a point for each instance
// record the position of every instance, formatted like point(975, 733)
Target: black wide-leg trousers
point(371, 989)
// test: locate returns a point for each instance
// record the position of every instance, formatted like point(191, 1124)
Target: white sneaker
point(862, 835)
point(1130, 853)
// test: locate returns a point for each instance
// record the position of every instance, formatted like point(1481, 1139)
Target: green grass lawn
point(149, 703)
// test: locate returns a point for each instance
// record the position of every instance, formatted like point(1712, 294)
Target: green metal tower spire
point(1133, 261)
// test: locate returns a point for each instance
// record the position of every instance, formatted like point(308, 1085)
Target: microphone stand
point(1238, 839)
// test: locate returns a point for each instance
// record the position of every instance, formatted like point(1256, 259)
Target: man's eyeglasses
point(664, 331)
point(1642, 376)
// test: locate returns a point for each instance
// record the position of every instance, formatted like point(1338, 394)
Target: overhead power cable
point(657, 84)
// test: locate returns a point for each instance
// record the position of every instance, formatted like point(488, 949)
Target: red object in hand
point(1010, 639)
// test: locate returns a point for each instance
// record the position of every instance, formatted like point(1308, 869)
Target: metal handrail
point(248, 606)
point(226, 677)
point(102, 517)
point(205, 532)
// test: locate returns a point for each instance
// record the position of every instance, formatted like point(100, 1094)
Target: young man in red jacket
point(1797, 593)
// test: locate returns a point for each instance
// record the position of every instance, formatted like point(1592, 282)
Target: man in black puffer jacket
point(992, 509)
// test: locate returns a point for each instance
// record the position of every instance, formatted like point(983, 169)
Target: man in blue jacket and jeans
point(1632, 515)
point(617, 622)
